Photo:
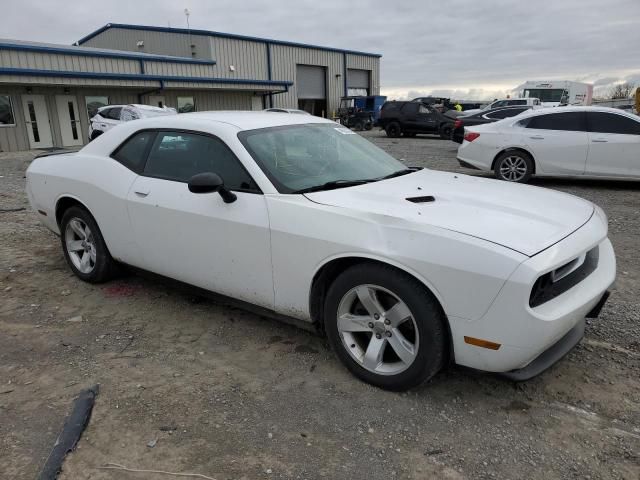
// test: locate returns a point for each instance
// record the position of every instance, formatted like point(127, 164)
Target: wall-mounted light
point(338, 75)
point(140, 43)
point(232, 68)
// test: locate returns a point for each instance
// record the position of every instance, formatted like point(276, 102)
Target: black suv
point(411, 118)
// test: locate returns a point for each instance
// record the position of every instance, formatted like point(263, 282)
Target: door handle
point(142, 193)
point(599, 140)
point(537, 137)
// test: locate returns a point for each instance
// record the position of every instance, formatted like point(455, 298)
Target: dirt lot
point(232, 395)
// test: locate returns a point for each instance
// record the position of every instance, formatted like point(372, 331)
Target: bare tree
point(621, 90)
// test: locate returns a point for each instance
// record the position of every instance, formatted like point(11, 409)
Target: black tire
point(445, 131)
point(429, 320)
point(104, 267)
point(359, 125)
point(95, 134)
point(368, 126)
point(521, 162)
point(393, 130)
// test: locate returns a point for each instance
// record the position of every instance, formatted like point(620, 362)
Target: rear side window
point(178, 156)
point(571, 121)
point(390, 107)
point(133, 151)
point(517, 102)
point(410, 108)
point(601, 122)
point(112, 113)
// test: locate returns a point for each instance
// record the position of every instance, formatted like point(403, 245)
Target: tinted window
point(133, 151)
point(390, 106)
point(517, 102)
point(6, 111)
point(506, 113)
point(424, 109)
point(112, 113)
point(501, 103)
point(410, 108)
point(179, 156)
point(573, 121)
point(601, 122)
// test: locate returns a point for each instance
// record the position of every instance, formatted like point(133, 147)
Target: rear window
point(568, 121)
point(601, 122)
point(506, 113)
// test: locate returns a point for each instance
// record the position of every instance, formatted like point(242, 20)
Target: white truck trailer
point(559, 92)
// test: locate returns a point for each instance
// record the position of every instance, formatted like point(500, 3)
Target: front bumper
point(525, 333)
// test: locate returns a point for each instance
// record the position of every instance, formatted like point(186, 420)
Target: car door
point(426, 119)
point(198, 238)
point(614, 145)
point(558, 142)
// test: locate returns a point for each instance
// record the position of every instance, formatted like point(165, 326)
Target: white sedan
point(108, 117)
point(405, 270)
point(587, 142)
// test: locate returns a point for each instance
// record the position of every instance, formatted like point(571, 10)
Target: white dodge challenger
point(405, 270)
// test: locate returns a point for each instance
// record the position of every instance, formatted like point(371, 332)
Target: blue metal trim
point(141, 66)
point(219, 34)
point(86, 52)
point(138, 76)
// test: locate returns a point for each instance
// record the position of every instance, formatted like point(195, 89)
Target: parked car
point(410, 118)
point(287, 110)
point(483, 117)
point(505, 102)
point(596, 142)
point(404, 269)
point(112, 115)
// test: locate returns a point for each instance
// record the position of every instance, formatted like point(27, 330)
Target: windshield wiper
point(332, 185)
point(397, 174)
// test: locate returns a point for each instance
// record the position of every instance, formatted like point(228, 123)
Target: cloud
point(478, 49)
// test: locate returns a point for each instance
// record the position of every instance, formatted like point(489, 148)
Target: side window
point(518, 102)
point(572, 121)
point(602, 122)
point(501, 103)
point(423, 109)
point(133, 151)
point(129, 114)
point(506, 113)
point(411, 108)
point(179, 156)
point(114, 113)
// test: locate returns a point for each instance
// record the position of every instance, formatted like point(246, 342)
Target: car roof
point(591, 108)
point(242, 120)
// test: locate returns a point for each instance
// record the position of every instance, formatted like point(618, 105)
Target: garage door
point(310, 82)
point(357, 82)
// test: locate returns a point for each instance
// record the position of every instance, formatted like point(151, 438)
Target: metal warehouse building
point(48, 92)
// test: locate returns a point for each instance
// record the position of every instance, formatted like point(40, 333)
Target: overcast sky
point(462, 48)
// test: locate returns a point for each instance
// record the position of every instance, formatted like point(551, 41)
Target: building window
point(7, 118)
point(186, 105)
point(94, 103)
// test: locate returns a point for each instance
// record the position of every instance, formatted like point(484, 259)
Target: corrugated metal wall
point(248, 58)
point(162, 43)
point(51, 61)
point(284, 62)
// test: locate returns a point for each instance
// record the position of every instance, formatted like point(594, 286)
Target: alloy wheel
point(80, 245)
point(377, 329)
point(513, 168)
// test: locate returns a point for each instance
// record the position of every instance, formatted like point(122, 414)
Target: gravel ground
point(189, 385)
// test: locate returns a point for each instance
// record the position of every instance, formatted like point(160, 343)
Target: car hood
point(520, 217)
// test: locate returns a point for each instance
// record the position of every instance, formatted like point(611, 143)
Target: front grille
point(546, 288)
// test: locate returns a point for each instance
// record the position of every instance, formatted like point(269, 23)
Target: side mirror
point(209, 182)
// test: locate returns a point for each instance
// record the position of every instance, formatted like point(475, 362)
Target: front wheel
point(514, 166)
point(385, 326)
point(393, 130)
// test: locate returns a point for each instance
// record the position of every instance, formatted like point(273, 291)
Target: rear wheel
point(84, 248)
point(393, 130)
point(445, 131)
point(514, 166)
point(359, 125)
point(385, 327)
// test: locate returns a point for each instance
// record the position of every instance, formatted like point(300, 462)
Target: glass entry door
point(69, 120)
point(37, 121)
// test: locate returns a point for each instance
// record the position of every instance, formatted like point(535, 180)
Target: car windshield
point(310, 156)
